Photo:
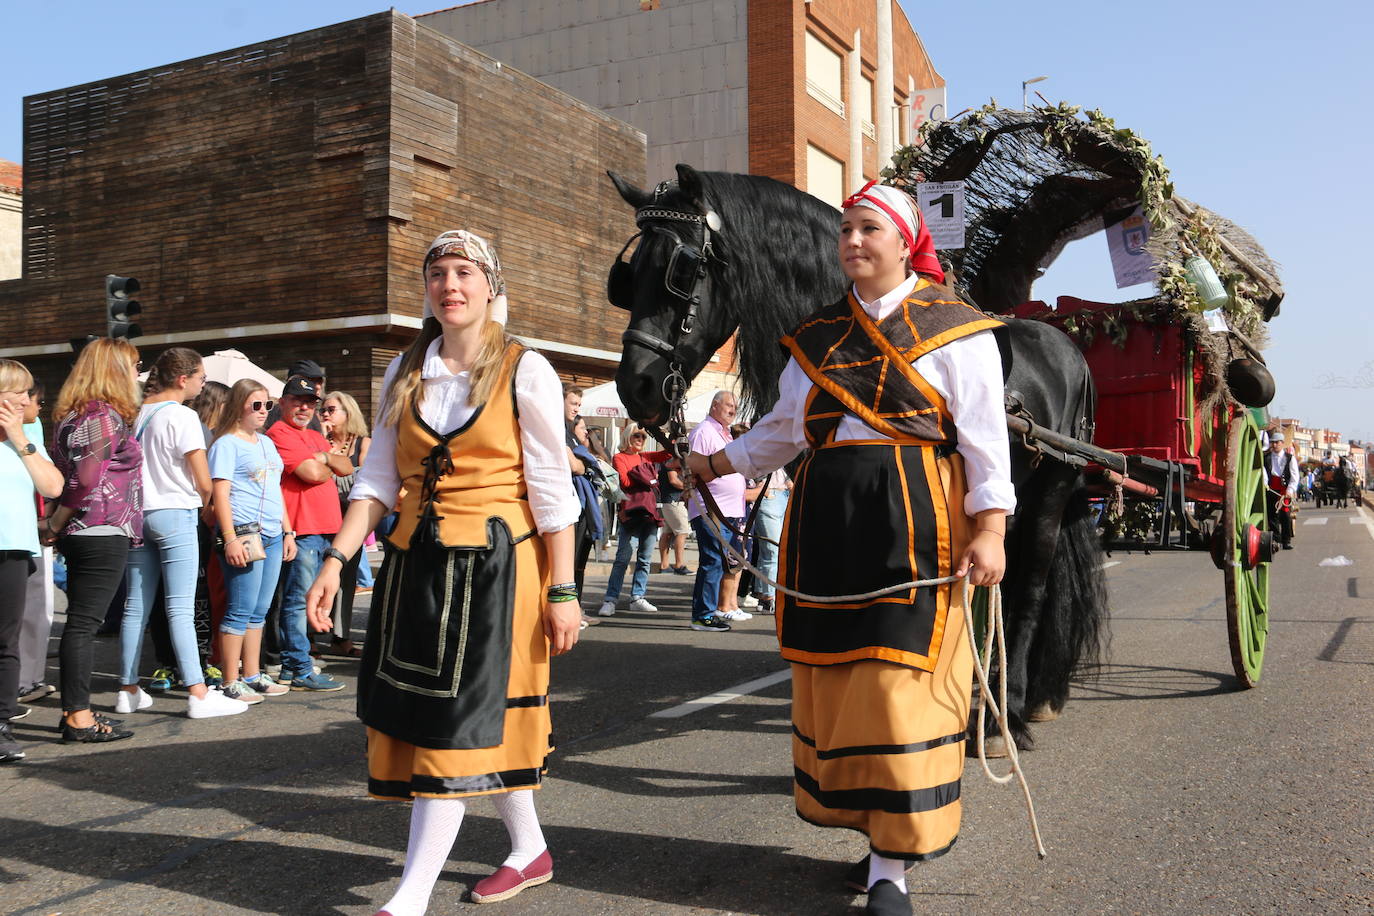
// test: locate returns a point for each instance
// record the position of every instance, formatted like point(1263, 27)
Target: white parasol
point(228, 366)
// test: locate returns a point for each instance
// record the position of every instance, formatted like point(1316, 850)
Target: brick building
point(11, 217)
point(815, 93)
point(278, 198)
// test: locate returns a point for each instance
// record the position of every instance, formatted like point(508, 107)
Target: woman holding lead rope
point(453, 684)
point(897, 390)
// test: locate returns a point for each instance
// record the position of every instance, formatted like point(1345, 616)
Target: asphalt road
point(1162, 789)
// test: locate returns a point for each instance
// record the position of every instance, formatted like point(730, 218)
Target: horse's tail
point(1073, 634)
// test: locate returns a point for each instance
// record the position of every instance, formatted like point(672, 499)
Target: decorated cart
point(1176, 454)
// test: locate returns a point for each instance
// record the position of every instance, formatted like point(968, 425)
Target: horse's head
point(666, 287)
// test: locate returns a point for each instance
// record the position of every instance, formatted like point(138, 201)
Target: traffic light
point(121, 308)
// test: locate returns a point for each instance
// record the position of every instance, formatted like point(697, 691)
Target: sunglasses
point(328, 410)
point(261, 405)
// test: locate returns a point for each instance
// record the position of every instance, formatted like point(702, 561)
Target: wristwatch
point(27, 450)
point(288, 534)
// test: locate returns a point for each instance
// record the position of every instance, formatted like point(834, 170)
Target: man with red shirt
point(312, 504)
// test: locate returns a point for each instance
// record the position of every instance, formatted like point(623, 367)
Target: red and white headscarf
point(897, 207)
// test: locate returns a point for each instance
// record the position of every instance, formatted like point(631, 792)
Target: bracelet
point(561, 590)
point(1000, 534)
point(563, 585)
point(711, 463)
point(559, 599)
point(336, 554)
point(288, 534)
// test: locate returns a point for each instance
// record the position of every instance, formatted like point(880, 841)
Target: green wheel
point(1247, 550)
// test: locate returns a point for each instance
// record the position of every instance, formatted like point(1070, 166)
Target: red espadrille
point(507, 882)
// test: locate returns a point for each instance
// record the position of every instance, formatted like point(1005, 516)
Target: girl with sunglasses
point(246, 472)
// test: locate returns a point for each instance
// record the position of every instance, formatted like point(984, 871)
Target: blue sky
point(1257, 107)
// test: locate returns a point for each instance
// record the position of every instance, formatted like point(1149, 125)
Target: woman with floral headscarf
point(897, 391)
point(478, 592)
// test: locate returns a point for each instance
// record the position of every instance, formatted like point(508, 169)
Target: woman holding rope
point(897, 390)
point(478, 593)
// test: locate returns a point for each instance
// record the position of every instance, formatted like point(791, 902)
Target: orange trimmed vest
point(870, 514)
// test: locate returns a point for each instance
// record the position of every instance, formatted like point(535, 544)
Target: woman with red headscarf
point(897, 392)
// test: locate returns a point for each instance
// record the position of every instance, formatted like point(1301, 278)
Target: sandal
point(344, 648)
point(98, 733)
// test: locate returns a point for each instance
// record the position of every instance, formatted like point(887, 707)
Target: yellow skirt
point(399, 770)
point(879, 747)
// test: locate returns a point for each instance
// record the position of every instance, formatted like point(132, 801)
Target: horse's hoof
point(994, 747)
point(1045, 712)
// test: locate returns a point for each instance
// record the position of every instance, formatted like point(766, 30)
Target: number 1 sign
point(942, 207)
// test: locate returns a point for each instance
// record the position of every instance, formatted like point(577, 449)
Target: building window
point(823, 69)
point(897, 122)
point(864, 102)
point(824, 176)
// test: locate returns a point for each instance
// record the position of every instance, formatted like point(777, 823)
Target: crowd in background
point(198, 512)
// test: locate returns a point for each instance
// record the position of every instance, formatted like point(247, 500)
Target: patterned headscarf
point(469, 245)
point(896, 207)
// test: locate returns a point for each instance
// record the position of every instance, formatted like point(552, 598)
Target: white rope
point(996, 628)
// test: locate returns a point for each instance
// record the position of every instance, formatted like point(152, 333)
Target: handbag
point(250, 533)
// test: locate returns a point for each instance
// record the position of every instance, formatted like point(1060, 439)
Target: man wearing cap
point(1282, 469)
point(312, 372)
point(312, 501)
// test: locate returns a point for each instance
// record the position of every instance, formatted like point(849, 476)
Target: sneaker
point(36, 691)
point(243, 693)
point(161, 680)
point(710, 624)
point(264, 684)
point(213, 705)
point(321, 683)
point(22, 713)
point(11, 751)
point(737, 614)
point(273, 670)
point(213, 676)
point(642, 605)
point(749, 601)
point(767, 606)
point(607, 608)
point(682, 571)
point(126, 702)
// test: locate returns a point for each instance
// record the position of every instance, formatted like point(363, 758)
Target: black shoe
point(885, 899)
point(710, 624)
point(11, 751)
point(98, 733)
point(856, 879)
point(23, 711)
point(1287, 546)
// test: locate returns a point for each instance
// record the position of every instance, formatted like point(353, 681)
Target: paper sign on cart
point(1216, 321)
point(942, 207)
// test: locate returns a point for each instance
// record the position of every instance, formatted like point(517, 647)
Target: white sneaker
point(607, 608)
point(213, 704)
point(126, 702)
point(749, 601)
point(642, 605)
point(737, 615)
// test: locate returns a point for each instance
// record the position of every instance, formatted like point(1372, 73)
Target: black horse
point(719, 252)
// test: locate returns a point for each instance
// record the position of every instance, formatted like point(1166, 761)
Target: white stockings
point(880, 868)
point(522, 823)
point(434, 824)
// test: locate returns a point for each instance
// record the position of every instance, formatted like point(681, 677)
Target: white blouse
point(966, 372)
point(444, 406)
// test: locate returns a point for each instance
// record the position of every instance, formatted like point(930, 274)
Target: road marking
point(1369, 520)
point(1319, 520)
point(1358, 520)
point(1110, 563)
point(725, 696)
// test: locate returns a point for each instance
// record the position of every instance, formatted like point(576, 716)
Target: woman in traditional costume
point(454, 679)
point(897, 392)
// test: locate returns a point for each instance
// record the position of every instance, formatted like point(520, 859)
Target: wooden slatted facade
point(278, 198)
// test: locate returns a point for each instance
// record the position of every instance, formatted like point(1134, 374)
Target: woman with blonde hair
point(471, 427)
point(24, 471)
point(346, 431)
point(100, 514)
point(245, 471)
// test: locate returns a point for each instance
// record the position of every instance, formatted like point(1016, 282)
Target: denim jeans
point(292, 632)
point(639, 537)
point(768, 530)
point(169, 553)
point(710, 565)
point(249, 589)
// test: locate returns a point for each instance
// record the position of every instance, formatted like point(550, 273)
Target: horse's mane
point(762, 284)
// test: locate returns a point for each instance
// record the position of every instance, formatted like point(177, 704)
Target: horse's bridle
point(683, 280)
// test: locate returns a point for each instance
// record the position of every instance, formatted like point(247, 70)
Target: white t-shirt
point(167, 432)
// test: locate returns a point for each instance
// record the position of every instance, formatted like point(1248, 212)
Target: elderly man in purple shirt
point(728, 492)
